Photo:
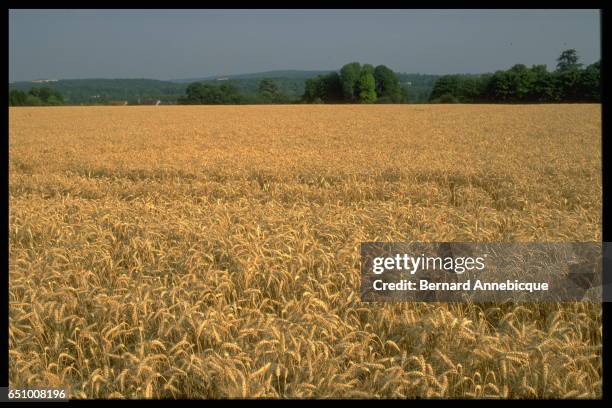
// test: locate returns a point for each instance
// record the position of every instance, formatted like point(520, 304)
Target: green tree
point(17, 98)
point(567, 84)
point(32, 100)
point(323, 88)
point(194, 94)
point(230, 94)
point(444, 86)
point(520, 82)
point(198, 93)
point(332, 85)
point(471, 89)
point(567, 76)
point(387, 84)
point(589, 83)
point(349, 77)
point(311, 89)
point(543, 87)
point(45, 96)
point(268, 91)
point(366, 85)
point(499, 88)
point(568, 60)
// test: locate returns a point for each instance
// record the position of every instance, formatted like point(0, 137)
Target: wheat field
point(213, 251)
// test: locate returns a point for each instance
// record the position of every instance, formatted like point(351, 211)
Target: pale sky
point(172, 44)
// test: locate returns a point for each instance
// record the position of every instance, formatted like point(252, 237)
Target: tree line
point(570, 82)
point(356, 83)
point(199, 93)
point(364, 83)
point(36, 97)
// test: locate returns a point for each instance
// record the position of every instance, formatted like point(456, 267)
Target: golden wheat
point(207, 252)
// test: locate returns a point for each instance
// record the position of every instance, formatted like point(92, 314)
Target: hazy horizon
point(182, 44)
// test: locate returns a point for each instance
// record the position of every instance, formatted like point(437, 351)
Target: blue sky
point(171, 44)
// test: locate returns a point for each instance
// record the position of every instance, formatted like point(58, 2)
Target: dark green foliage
point(589, 84)
point(349, 77)
point(356, 84)
point(210, 93)
point(446, 85)
point(205, 94)
point(312, 90)
point(289, 87)
point(543, 87)
point(366, 86)
point(462, 88)
point(36, 97)
point(269, 92)
point(568, 82)
point(387, 84)
point(17, 98)
point(324, 88)
point(520, 84)
point(568, 60)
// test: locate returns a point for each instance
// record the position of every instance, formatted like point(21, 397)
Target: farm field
point(213, 251)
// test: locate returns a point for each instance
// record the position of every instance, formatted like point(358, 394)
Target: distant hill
point(286, 74)
point(99, 90)
point(290, 82)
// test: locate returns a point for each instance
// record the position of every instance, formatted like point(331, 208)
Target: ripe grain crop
point(210, 252)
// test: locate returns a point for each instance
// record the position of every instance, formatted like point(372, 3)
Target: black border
point(606, 142)
point(5, 238)
point(606, 231)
